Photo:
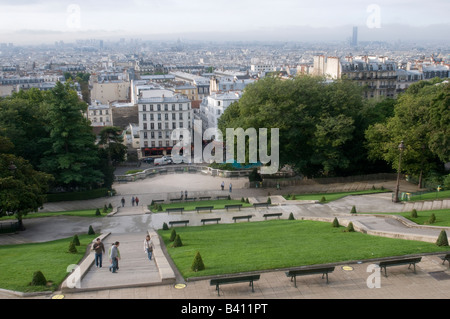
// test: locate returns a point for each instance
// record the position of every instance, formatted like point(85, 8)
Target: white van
point(162, 161)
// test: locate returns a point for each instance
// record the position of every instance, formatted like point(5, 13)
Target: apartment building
point(158, 117)
point(213, 106)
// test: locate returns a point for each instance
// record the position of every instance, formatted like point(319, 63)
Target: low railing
point(180, 169)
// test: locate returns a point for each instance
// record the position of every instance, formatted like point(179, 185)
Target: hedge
point(91, 194)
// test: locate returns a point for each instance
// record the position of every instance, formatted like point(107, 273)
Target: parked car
point(165, 160)
point(148, 160)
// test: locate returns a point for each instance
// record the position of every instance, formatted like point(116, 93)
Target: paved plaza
point(140, 278)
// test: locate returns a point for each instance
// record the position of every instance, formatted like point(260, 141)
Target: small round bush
point(350, 228)
point(72, 248)
point(76, 240)
point(335, 222)
point(38, 279)
point(432, 219)
point(442, 239)
point(173, 234)
point(414, 213)
point(177, 242)
point(198, 264)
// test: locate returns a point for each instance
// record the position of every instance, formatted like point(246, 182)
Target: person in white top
point(148, 247)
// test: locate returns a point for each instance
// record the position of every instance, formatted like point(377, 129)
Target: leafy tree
point(22, 122)
point(316, 120)
point(72, 156)
point(421, 120)
point(22, 189)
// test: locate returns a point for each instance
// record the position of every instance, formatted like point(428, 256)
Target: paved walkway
point(140, 278)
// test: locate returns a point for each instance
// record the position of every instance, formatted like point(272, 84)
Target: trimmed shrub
point(291, 217)
point(76, 240)
point(442, 239)
point(165, 227)
point(110, 206)
point(350, 228)
point(91, 230)
point(173, 234)
point(353, 211)
point(269, 201)
point(242, 200)
point(105, 209)
point(97, 212)
point(323, 199)
point(432, 219)
point(414, 213)
point(198, 264)
point(247, 201)
point(38, 279)
point(72, 248)
point(177, 242)
point(335, 222)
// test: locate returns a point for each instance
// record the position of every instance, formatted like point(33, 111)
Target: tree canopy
point(319, 122)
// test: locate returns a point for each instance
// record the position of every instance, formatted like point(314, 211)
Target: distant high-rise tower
point(355, 37)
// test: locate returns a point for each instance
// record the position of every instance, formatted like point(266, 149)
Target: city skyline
point(47, 21)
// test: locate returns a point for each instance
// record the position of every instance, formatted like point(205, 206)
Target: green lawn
point(431, 196)
point(189, 206)
point(442, 217)
point(19, 262)
point(241, 247)
point(332, 196)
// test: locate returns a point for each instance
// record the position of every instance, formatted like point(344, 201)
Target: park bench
point(446, 258)
point(204, 197)
point(255, 205)
point(293, 273)
point(232, 280)
point(210, 208)
point(176, 222)
point(242, 217)
point(272, 215)
point(222, 197)
point(176, 199)
point(190, 199)
point(155, 201)
point(397, 262)
point(233, 206)
point(205, 220)
point(178, 209)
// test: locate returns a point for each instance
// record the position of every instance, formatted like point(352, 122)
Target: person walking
point(222, 185)
point(99, 249)
point(231, 188)
point(123, 201)
point(185, 195)
point(114, 257)
point(148, 247)
point(132, 201)
point(137, 201)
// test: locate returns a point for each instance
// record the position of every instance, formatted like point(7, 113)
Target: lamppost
point(401, 148)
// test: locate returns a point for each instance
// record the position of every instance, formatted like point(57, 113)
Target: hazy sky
point(59, 20)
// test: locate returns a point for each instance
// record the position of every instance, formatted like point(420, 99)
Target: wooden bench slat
point(175, 222)
point(273, 215)
point(242, 217)
point(210, 220)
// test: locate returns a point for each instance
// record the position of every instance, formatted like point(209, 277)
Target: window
point(166, 107)
point(159, 126)
point(144, 117)
point(144, 108)
point(151, 107)
point(180, 116)
point(166, 116)
point(174, 117)
point(145, 135)
point(145, 126)
point(173, 107)
point(180, 107)
point(159, 116)
point(181, 124)
point(158, 107)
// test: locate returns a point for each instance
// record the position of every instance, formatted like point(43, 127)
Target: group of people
point(230, 188)
point(114, 253)
point(134, 200)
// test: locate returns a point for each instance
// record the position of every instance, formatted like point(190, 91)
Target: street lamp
point(401, 148)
